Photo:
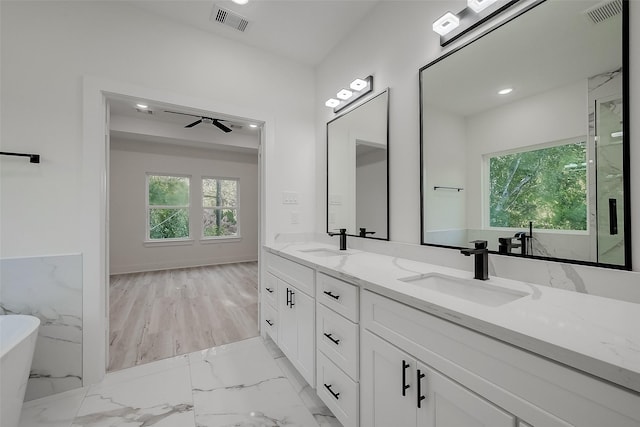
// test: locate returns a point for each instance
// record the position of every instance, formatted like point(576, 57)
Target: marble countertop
point(597, 335)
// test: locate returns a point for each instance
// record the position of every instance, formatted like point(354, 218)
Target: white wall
point(51, 50)
point(392, 43)
point(47, 47)
point(130, 163)
point(445, 165)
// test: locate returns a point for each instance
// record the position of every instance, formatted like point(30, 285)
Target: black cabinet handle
point(288, 297)
point(328, 387)
point(292, 303)
point(270, 290)
point(269, 322)
point(420, 396)
point(405, 386)
point(336, 297)
point(333, 340)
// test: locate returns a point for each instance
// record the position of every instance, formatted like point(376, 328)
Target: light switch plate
point(289, 198)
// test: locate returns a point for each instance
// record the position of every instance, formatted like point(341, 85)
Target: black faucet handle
point(479, 244)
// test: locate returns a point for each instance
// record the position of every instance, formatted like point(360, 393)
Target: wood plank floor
point(160, 314)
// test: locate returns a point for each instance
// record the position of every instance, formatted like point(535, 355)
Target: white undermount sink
point(323, 252)
point(473, 290)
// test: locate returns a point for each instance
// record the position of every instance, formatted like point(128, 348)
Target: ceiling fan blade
point(184, 114)
point(220, 126)
point(194, 123)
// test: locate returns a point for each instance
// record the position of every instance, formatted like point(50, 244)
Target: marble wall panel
point(50, 288)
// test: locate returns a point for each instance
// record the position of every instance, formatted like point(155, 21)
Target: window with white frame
point(220, 207)
point(167, 207)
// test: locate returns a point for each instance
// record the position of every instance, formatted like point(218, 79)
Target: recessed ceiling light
point(446, 23)
point(344, 94)
point(240, 1)
point(505, 91)
point(332, 102)
point(252, 125)
point(142, 106)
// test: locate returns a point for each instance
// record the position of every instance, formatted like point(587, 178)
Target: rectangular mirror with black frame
point(358, 170)
point(525, 137)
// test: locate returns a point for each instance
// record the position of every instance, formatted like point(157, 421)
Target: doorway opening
point(183, 209)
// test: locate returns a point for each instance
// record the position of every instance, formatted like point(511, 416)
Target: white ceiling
point(521, 56)
point(302, 30)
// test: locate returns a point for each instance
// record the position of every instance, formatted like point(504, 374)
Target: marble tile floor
point(248, 383)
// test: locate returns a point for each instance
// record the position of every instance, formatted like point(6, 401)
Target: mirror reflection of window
point(530, 124)
point(546, 186)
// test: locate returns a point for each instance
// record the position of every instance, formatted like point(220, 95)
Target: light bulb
point(332, 103)
point(344, 94)
point(446, 23)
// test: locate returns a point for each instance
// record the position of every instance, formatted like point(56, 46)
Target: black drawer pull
point(420, 396)
point(333, 340)
point(288, 297)
point(405, 386)
point(269, 322)
point(328, 387)
point(336, 297)
point(270, 290)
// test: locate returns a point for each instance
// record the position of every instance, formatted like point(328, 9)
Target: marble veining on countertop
point(597, 335)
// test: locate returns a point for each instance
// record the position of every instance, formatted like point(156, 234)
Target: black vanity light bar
point(357, 89)
point(33, 158)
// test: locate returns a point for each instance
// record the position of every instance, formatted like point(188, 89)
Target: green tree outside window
point(547, 186)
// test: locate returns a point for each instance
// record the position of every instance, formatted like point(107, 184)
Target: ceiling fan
point(203, 119)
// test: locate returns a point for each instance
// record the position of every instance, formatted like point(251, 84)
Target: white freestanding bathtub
point(18, 335)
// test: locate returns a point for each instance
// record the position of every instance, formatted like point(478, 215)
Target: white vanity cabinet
point(269, 294)
point(471, 379)
point(337, 335)
point(295, 312)
point(397, 390)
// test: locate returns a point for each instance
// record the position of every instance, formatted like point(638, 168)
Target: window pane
point(168, 190)
point(168, 223)
point(220, 222)
point(547, 186)
point(219, 192)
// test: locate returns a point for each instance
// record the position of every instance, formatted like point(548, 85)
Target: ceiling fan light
point(358, 84)
point(479, 5)
point(446, 23)
point(344, 94)
point(332, 103)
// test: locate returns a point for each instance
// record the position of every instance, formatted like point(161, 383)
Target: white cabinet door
point(387, 385)
point(287, 323)
point(296, 329)
point(304, 307)
point(445, 403)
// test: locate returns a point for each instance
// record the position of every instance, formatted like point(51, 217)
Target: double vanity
point(392, 342)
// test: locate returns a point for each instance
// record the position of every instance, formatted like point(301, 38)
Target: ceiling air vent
point(228, 18)
point(605, 10)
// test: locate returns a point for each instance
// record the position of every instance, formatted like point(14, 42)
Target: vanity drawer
point(338, 339)
point(270, 290)
point(270, 321)
point(291, 272)
point(337, 391)
point(340, 296)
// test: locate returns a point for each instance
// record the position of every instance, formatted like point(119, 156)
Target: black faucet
point(364, 232)
point(522, 236)
point(481, 255)
point(343, 238)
